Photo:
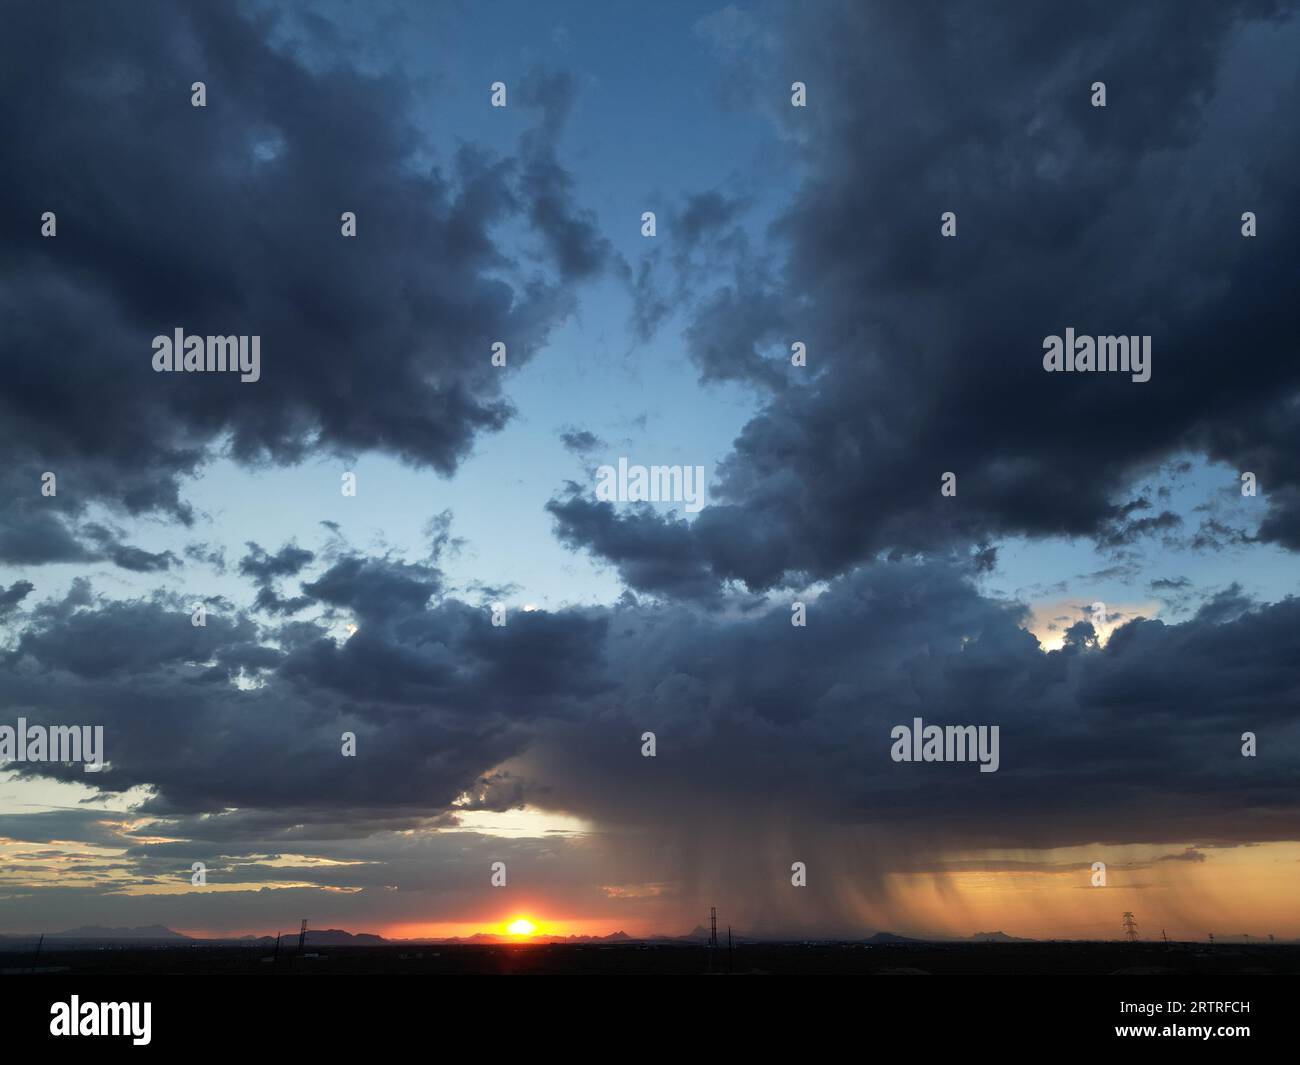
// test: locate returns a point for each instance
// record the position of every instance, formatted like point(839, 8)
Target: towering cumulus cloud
point(925, 353)
point(215, 218)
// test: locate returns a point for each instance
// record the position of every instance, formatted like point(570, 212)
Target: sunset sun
point(522, 927)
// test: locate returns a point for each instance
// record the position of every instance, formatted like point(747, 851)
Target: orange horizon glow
point(541, 927)
point(516, 926)
point(1186, 891)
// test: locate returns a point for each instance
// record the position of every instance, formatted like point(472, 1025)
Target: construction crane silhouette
point(1130, 927)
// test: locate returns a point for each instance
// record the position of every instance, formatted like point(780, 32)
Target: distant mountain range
point(889, 937)
point(323, 937)
point(153, 931)
point(978, 937)
point(316, 937)
point(997, 937)
point(336, 937)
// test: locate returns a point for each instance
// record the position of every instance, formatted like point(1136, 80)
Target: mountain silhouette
point(997, 937)
point(153, 931)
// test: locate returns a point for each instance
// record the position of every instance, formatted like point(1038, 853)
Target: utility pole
point(728, 948)
point(39, 943)
point(302, 936)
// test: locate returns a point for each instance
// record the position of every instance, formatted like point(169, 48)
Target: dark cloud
point(1191, 854)
point(38, 530)
point(1214, 535)
point(653, 553)
point(925, 353)
point(13, 595)
point(32, 534)
point(374, 588)
point(650, 307)
point(126, 638)
point(125, 555)
point(380, 342)
point(570, 233)
point(705, 215)
point(208, 554)
point(264, 568)
point(752, 716)
point(1124, 532)
point(581, 441)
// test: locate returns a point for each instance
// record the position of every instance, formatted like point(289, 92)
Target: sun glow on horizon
point(1049, 620)
point(522, 927)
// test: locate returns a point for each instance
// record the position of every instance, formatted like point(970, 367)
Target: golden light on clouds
point(1183, 889)
point(1048, 621)
point(518, 824)
point(637, 891)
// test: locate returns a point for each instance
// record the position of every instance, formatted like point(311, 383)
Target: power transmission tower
point(1130, 927)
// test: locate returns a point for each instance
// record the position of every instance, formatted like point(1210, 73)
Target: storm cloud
point(925, 353)
point(225, 220)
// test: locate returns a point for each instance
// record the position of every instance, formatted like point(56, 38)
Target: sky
point(1096, 579)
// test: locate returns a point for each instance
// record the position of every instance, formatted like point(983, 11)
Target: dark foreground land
point(971, 959)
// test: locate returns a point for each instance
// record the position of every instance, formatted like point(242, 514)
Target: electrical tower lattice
point(1130, 927)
